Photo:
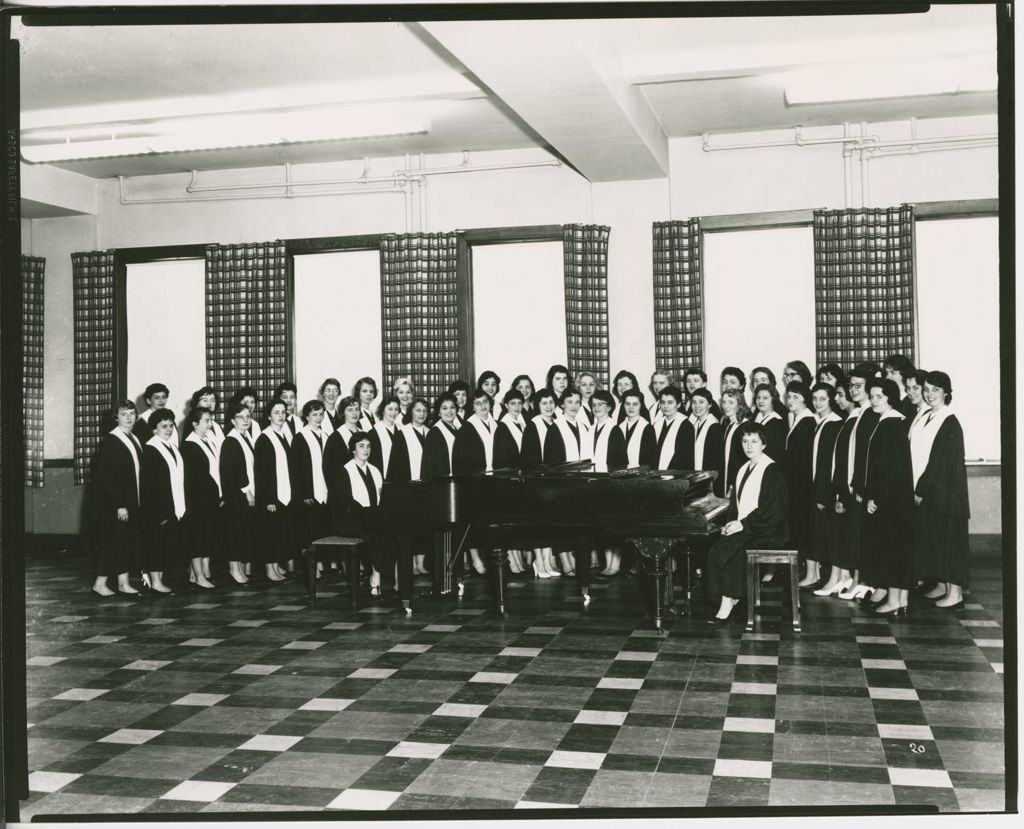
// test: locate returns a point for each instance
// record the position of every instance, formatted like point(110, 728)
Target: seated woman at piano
point(437, 448)
point(674, 431)
point(632, 442)
point(757, 519)
point(354, 500)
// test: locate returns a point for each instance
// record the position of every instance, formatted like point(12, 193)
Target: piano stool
point(755, 558)
point(352, 547)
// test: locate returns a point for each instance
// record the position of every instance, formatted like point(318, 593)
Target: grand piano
point(573, 505)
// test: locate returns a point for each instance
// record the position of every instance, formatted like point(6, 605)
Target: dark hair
point(702, 392)
point(865, 371)
point(513, 394)
point(330, 381)
point(828, 388)
point(200, 393)
point(545, 393)
point(605, 397)
point(195, 414)
point(311, 406)
point(349, 400)
point(422, 400)
point(488, 375)
point(619, 376)
point(672, 391)
point(801, 388)
point(569, 392)
point(285, 386)
point(235, 409)
point(360, 383)
point(526, 377)
point(888, 387)
point(357, 437)
point(445, 396)
point(773, 392)
point(733, 371)
point(125, 404)
point(772, 381)
point(918, 374)
point(385, 402)
point(244, 391)
point(898, 362)
point(695, 371)
point(634, 392)
point(458, 385)
point(752, 427)
point(801, 369)
point(154, 388)
point(835, 370)
point(940, 380)
point(270, 406)
point(159, 416)
point(480, 394)
point(558, 369)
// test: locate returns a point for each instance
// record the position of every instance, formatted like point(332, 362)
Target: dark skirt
point(202, 527)
point(277, 540)
point(164, 549)
point(314, 521)
point(849, 535)
point(118, 546)
point(238, 526)
point(887, 558)
point(940, 546)
point(823, 544)
point(727, 563)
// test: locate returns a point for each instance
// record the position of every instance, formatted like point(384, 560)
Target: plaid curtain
point(419, 308)
point(678, 296)
point(93, 287)
point(864, 284)
point(246, 320)
point(32, 271)
point(585, 256)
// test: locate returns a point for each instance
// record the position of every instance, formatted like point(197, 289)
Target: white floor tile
point(931, 778)
point(200, 643)
point(426, 751)
point(49, 781)
point(81, 694)
point(248, 623)
point(754, 659)
point(131, 736)
point(145, 665)
point(287, 608)
point(755, 725)
point(199, 791)
point(600, 717)
point(363, 799)
point(539, 804)
point(620, 683)
point(269, 742)
point(883, 664)
point(495, 677)
point(342, 625)
point(769, 688)
point(637, 656)
point(408, 648)
point(302, 645)
point(892, 693)
point(157, 620)
point(102, 640)
point(442, 628)
point(760, 769)
point(898, 731)
point(575, 759)
point(543, 630)
point(200, 699)
point(371, 673)
point(459, 709)
point(257, 670)
point(44, 661)
point(326, 704)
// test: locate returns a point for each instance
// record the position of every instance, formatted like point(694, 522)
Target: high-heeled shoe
point(539, 572)
point(134, 594)
point(96, 594)
point(234, 578)
point(839, 587)
point(856, 593)
point(898, 613)
point(732, 616)
point(958, 606)
point(375, 593)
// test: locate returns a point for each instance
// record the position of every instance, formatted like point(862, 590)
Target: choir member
point(732, 377)
point(674, 432)
point(846, 539)
point(535, 436)
point(604, 425)
point(337, 451)
point(799, 473)
point(162, 497)
point(625, 381)
point(289, 394)
point(155, 396)
point(940, 494)
point(860, 376)
point(693, 379)
point(202, 525)
point(587, 384)
point(460, 389)
point(832, 374)
point(660, 379)
point(570, 439)
point(558, 380)
point(524, 385)
point(508, 436)
point(473, 452)
point(407, 461)
point(246, 396)
point(238, 484)
point(491, 383)
point(205, 398)
point(796, 370)
point(329, 393)
point(633, 443)
point(888, 490)
point(365, 390)
point(116, 504)
point(707, 432)
point(309, 486)
point(913, 384)
point(757, 520)
point(274, 497)
point(767, 415)
point(734, 413)
point(383, 434)
point(821, 541)
point(897, 367)
point(764, 376)
point(437, 450)
point(354, 500)
point(403, 389)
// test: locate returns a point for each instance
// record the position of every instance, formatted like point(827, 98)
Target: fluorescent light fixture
point(866, 82)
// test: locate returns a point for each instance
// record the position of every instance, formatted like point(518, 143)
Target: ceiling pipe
point(799, 141)
point(125, 199)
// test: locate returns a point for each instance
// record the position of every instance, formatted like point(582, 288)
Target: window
point(518, 310)
point(166, 311)
point(337, 329)
point(758, 300)
point(958, 321)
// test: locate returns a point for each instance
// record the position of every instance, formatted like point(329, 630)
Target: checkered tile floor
point(249, 700)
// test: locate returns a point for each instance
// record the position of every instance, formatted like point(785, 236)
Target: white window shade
point(758, 300)
point(958, 321)
point(518, 310)
point(337, 320)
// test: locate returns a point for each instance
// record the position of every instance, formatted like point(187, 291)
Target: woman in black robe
point(508, 437)
point(846, 540)
point(940, 494)
point(822, 537)
point(797, 466)
point(162, 497)
point(535, 436)
point(766, 413)
point(116, 504)
point(274, 497)
point(238, 485)
point(756, 520)
point(437, 449)
point(202, 526)
point(306, 471)
point(888, 558)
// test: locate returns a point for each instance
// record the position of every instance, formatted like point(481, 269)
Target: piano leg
point(584, 546)
point(438, 560)
point(653, 556)
point(498, 578)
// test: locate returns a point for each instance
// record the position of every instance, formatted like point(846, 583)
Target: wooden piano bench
point(352, 549)
point(755, 558)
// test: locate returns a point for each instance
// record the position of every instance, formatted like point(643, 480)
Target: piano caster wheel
point(462, 589)
point(586, 599)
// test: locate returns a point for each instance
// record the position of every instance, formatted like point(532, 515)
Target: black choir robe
point(202, 501)
point(941, 519)
point(114, 488)
point(907, 408)
point(437, 461)
point(682, 454)
point(532, 454)
point(765, 528)
point(737, 457)
point(336, 455)
point(506, 449)
point(377, 451)
point(142, 430)
point(163, 545)
point(278, 527)
point(850, 522)
point(889, 481)
point(468, 454)
point(824, 522)
point(618, 454)
point(554, 444)
point(713, 453)
point(239, 524)
point(399, 469)
point(775, 435)
point(797, 467)
point(313, 521)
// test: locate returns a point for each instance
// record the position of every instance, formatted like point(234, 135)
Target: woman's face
point(764, 402)
point(571, 406)
point(547, 406)
point(208, 401)
point(515, 406)
point(729, 405)
point(699, 405)
point(731, 381)
point(482, 408)
point(795, 402)
point(658, 382)
point(242, 421)
point(525, 388)
point(789, 375)
point(759, 378)
point(587, 385)
point(202, 425)
point(158, 400)
point(858, 390)
point(404, 393)
point(164, 429)
point(753, 446)
point(352, 413)
point(669, 406)
point(419, 414)
point(879, 402)
point(460, 398)
point(367, 393)
point(827, 377)
point(288, 396)
point(126, 419)
point(316, 418)
point(934, 396)
point(278, 414)
point(490, 385)
point(331, 394)
point(842, 401)
point(632, 407)
point(447, 412)
point(249, 402)
point(559, 382)
point(391, 412)
point(693, 382)
point(622, 385)
point(361, 451)
point(914, 391)
point(820, 401)
point(894, 374)
point(601, 409)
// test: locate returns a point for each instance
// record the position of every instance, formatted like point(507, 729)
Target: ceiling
point(605, 95)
